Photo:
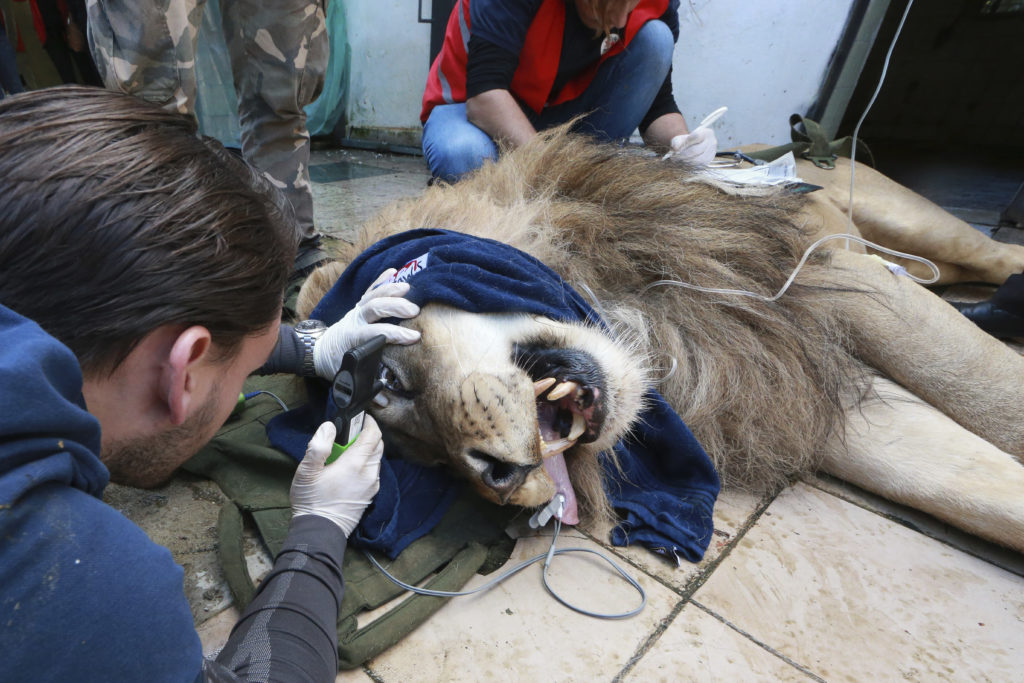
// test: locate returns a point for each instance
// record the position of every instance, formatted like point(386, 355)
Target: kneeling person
point(142, 271)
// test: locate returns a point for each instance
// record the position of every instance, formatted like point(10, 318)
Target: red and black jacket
point(538, 59)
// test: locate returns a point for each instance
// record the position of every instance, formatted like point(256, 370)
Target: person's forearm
point(289, 630)
point(663, 129)
point(498, 114)
point(287, 354)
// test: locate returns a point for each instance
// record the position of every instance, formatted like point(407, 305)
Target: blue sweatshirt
point(85, 595)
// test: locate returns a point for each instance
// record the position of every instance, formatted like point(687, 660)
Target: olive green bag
point(256, 477)
point(813, 143)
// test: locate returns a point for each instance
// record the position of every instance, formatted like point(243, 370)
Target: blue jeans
point(616, 101)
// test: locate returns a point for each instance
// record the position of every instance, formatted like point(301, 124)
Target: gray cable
point(547, 557)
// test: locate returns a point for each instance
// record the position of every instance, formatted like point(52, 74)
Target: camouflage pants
point(278, 51)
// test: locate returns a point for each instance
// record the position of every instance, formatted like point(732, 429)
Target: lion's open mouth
point(566, 413)
point(569, 388)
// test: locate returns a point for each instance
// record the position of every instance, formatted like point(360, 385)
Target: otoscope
point(354, 386)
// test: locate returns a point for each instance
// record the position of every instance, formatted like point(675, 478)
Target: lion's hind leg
point(898, 218)
point(899, 447)
point(927, 346)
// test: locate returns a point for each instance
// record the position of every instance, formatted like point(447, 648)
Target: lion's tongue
point(555, 466)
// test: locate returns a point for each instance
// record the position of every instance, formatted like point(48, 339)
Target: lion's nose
point(501, 477)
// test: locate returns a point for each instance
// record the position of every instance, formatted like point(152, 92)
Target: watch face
point(309, 326)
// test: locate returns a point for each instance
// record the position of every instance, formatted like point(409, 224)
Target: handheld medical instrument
point(710, 119)
point(354, 386)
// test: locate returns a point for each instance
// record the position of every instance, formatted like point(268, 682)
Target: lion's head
point(510, 402)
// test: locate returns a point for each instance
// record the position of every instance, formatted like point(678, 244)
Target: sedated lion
point(854, 371)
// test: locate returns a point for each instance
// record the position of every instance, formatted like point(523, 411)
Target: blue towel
point(667, 490)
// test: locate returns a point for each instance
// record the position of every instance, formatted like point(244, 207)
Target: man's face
point(149, 460)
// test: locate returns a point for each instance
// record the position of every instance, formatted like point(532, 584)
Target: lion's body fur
point(752, 377)
point(767, 387)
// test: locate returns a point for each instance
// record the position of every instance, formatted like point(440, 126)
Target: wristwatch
point(309, 331)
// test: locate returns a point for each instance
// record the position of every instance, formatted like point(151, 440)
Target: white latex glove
point(697, 148)
point(342, 490)
point(360, 324)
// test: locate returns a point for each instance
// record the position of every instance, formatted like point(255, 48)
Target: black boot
point(1003, 315)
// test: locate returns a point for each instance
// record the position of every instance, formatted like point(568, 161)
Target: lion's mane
point(763, 385)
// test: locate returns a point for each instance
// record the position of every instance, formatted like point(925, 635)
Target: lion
point(855, 371)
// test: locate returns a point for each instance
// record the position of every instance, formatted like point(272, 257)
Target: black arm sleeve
point(488, 67)
point(286, 356)
point(664, 103)
point(289, 631)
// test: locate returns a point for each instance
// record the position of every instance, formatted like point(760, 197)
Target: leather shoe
point(997, 321)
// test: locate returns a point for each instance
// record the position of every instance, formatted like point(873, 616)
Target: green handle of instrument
point(239, 405)
point(337, 449)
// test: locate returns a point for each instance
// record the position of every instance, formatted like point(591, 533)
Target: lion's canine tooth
point(380, 400)
point(556, 447)
point(579, 425)
point(542, 385)
point(562, 389)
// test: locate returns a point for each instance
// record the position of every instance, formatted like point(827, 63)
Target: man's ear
point(179, 376)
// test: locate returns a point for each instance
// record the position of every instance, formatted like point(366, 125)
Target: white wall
point(764, 59)
point(389, 62)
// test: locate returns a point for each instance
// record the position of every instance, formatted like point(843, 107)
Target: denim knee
point(654, 40)
point(455, 157)
point(452, 146)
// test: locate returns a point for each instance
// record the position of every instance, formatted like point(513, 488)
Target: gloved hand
point(342, 490)
point(360, 324)
point(697, 148)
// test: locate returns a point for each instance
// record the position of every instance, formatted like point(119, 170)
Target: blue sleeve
point(502, 22)
point(87, 596)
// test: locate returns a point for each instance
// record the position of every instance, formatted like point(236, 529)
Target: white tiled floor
point(820, 583)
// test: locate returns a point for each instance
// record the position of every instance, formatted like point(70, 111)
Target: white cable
point(871, 102)
point(803, 260)
point(848, 235)
point(547, 557)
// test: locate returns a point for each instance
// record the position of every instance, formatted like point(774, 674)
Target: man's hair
point(116, 218)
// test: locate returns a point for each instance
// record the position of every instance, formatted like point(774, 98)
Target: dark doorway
point(949, 120)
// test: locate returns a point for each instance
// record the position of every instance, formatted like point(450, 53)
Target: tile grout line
point(686, 593)
point(755, 641)
point(907, 524)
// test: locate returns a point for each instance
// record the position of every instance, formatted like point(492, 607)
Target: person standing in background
point(278, 52)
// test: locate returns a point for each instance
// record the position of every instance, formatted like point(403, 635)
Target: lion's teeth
point(562, 389)
point(556, 447)
point(381, 400)
point(542, 385)
point(579, 425)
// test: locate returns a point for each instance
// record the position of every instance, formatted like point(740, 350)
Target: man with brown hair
point(141, 278)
